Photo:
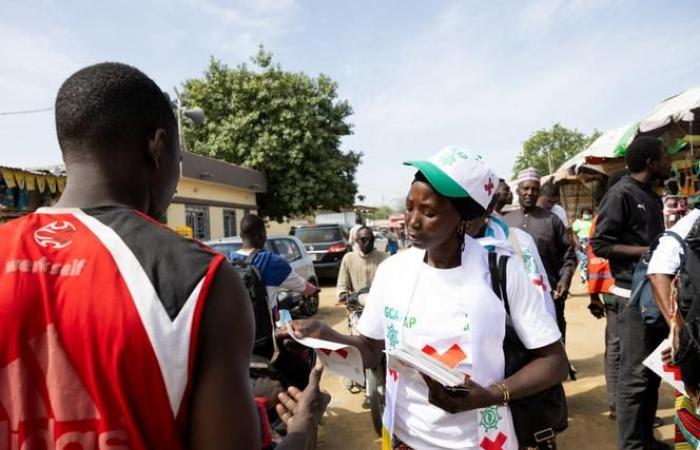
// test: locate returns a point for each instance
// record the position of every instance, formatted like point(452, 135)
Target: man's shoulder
point(379, 255)
point(350, 257)
point(543, 214)
point(619, 189)
point(268, 258)
point(512, 217)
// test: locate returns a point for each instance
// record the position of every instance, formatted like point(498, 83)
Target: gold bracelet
point(506, 393)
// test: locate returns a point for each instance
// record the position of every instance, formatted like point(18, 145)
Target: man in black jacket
point(629, 219)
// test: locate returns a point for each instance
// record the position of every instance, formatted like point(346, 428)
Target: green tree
point(286, 124)
point(551, 147)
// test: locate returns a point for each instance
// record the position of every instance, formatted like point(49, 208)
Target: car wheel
point(309, 306)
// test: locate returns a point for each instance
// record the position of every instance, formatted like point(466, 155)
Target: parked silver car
point(291, 249)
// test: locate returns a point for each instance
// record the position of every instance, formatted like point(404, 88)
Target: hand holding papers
point(342, 359)
point(427, 365)
point(670, 374)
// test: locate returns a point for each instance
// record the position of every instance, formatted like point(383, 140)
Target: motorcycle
point(375, 377)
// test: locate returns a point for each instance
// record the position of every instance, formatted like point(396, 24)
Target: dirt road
point(347, 424)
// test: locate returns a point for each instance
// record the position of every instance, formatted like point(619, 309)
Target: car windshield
point(226, 248)
point(312, 235)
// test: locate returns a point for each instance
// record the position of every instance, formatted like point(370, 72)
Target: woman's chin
point(418, 244)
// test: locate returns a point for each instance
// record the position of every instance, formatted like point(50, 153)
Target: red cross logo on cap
point(488, 187)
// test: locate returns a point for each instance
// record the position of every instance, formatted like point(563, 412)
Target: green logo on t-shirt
point(393, 314)
point(489, 418)
point(392, 335)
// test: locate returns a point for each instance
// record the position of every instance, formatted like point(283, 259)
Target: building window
point(230, 222)
point(197, 218)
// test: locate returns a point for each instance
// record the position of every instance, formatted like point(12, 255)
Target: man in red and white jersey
point(116, 332)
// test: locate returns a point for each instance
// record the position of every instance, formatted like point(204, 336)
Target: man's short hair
point(641, 150)
point(110, 105)
point(550, 189)
point(364, 227)
point(252, 226)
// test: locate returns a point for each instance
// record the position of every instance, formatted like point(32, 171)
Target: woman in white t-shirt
point(437, 297)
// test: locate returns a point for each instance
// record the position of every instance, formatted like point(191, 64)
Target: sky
point(419, 75)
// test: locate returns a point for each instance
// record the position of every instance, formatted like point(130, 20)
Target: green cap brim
point(443, 183)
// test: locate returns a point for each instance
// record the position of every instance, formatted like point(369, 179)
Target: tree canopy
point(286, 124)
point(558, 143)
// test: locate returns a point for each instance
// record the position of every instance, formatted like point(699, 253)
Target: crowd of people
point(117, 332)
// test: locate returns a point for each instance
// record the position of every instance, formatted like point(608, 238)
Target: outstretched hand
point(301, 411)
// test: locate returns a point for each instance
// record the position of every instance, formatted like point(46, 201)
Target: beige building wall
point(216, 222)
point(176, 215)
point(205, 190)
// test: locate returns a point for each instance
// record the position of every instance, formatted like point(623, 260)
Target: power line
point(28, 111)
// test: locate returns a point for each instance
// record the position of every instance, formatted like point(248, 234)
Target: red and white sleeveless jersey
point(99, 317)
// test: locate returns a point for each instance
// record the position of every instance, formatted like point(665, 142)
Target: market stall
point(24, 190)
point(583, 178)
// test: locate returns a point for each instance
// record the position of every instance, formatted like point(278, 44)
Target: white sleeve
point(371, 322)
point(666, 258)
point(536, 327)
point(294, 282)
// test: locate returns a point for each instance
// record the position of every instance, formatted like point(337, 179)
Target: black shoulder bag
point(539, 417)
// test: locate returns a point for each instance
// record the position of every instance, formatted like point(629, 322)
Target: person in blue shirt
point(275, 271)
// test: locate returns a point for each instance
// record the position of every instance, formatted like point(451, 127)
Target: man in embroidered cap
point(550, 236)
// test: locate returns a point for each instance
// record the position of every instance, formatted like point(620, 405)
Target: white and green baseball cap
point(457, 172)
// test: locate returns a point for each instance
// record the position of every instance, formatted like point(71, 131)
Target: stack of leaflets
point(427, 365)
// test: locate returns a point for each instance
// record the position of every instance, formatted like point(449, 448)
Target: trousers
point(637, 386)
point(612, 350)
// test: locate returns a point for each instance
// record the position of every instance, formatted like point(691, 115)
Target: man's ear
point(157, 144)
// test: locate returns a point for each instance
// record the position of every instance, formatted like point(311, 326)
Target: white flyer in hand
point(670, 374)
point(427, 365)
point(345, 360)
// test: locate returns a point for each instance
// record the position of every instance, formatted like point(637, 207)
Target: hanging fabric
point(41, 182)
point(9, 177)
point(51, 181)
point(19, 178)
point(30, 181)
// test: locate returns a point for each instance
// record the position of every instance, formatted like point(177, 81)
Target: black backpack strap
point(493, 270)
point(499, 284)
point(684, 254)
point(503, 278)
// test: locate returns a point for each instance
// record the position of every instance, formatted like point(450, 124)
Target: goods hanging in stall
point(674, 120)
point(583, 178)
point(24, 190)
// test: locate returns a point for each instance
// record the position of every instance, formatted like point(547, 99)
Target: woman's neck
point(446, 256)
